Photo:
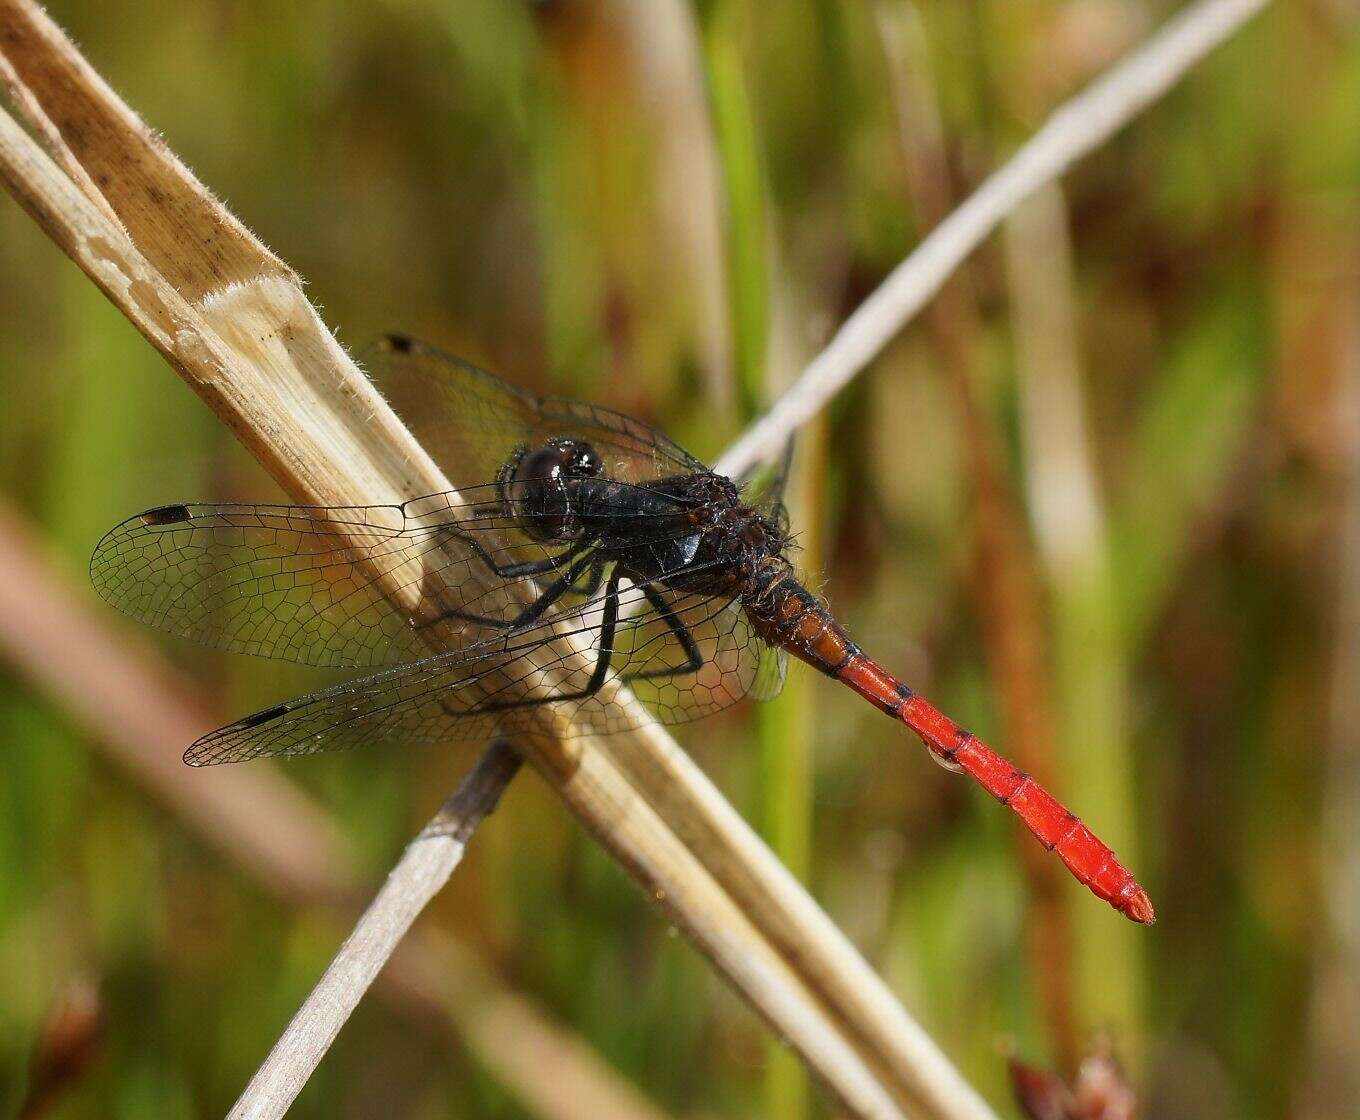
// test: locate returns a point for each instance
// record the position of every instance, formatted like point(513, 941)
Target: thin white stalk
point(419, 875)
point(1077, 128)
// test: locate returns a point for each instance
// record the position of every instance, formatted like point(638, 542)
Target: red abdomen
point(784, 613)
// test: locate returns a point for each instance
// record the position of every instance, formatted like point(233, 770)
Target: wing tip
point(208, 750)
point(110, 543)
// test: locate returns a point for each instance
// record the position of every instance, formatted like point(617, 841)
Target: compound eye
point(538, 494)
point(543, 465)
point(586, 461)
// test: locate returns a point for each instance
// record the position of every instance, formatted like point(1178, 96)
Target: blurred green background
point(1103, 500)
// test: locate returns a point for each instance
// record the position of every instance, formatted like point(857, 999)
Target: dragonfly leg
point(534, 610)
point(593, 584)
point(694, 660)
point(524, 568)
point(534, 567)
point(608, 628)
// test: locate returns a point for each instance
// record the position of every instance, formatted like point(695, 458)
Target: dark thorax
point(687, 532)
point(698, 535)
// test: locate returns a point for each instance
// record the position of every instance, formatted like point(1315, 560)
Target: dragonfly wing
point(339, 588)
point(763, 484)
point(310, 585)
point(472, 693)
point(771, 673)
point(405, 704)
point(681, 677)
point(471, 422)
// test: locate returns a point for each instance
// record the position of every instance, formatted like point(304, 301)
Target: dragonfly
point(582, 556)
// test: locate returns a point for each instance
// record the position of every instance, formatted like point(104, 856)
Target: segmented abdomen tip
point(1138, 907)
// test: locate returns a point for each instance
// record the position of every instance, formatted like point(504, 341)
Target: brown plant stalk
point(233, 321)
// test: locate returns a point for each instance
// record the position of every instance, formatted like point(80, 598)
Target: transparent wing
point(764, 484)
point(471, 421)
point(303, 584)
point(306, 584)
point(473, 693)
point(771, 672)
point(678, 681)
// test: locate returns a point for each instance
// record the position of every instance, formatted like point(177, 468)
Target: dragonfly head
point(540, 487)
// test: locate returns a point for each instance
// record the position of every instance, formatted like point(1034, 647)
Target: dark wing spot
point(263, 717)
point(165, 515)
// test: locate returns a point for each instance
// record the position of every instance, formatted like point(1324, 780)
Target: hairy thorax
point(708, 541)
